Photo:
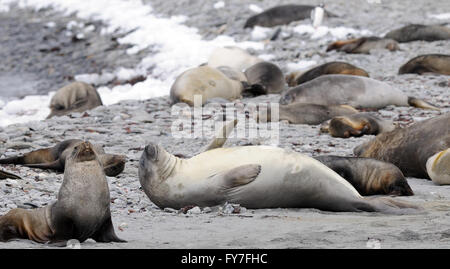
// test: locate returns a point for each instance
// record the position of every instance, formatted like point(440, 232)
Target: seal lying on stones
point(356, 91)
point(280, 15)
point(299, 113)
point(434, 63)
point(55, 158)
point(206, 82)
point(265, 76)
point(233, 57)
point(358, 124)
point(254, 177)
point(415, 32)
point(5, 175)
point(82, 210)
point(363, 45)
point(369, 176)
point(297, 78)
point(421, 150)
point(75, 97)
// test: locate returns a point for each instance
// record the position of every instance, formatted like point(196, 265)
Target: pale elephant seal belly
point(81, 211)
point(355, 91)
point(206, 82)
point(421, 150)
point(428, 63)
point(415, 32)
point(253, 176)
point(75, 97)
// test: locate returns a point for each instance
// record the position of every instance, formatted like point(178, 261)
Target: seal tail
point(391, 206)
point(416, 102)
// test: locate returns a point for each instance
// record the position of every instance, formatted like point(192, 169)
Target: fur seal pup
point(369, 176)
point(297, 78)
point(421, 150)
point(55, 158)
point(415, 32)
point(434, 63)
point(5, 175)
point(363, 45)
point(233, 57)
point(356, 91)
point(283, 14)
point(358, 124)
point(82, 210)
point(207, 82)
point(254, 177)
point(265, 76)
point(75, 97)
point(312, 114)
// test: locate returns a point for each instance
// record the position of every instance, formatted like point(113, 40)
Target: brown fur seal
point(434, 63)
point(265, 76)
point(55, 158)
point(421, 150)
point(369, 176)
point(280, 15)
point(75, 97)
point(5, 175)
point(82, 210)
point(233, 57)
point(363, 45)
point(358, 124)
point(297, 78)
point(206, 82)
point(298, 113)
point(356, 91)
point(415, 32)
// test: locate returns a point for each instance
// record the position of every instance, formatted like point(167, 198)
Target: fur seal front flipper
point(5, 175)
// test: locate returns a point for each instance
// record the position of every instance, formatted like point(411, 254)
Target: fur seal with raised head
point(283, 14)
point(266, 77)
point(421, 150)
point(233, 57)
point(363, 45)
point(75, 97)
point(297, 78)
point(356, 91)
point(428, 63)
point(82, 210)
point(206, 82)
point(415, 32)
point(55, 158)
point(358, 124)
point(369, 176)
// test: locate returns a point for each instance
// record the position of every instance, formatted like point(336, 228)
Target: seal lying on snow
point(81, 211)
point(434, 63)
point(55, 158)
point(415, 32)
point(421, 150)
point(75, 97)
point(363, 45)
point(297, 78)
point(280, 15)
point(369, 176)
point(356, 91)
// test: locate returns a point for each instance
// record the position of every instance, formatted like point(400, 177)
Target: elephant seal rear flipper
point(419, 103)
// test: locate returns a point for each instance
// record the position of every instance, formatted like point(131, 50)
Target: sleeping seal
point(356, 91)
point(358, 124)
point(233, 57)
point(421, 150)
point(254, 177)
point(434, 63)
point(415, 32)
point(297, 78)
point(280, 15)
point(265, 76)
point(75, 97)
point(363, 45)
point(81, 211)
point(207, 82)
point(55, 158)
point(369, 176)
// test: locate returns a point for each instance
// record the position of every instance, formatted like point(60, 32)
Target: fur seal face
point(266, 76)
point(434, 63)
point(75, 97)
point(363, 45)
point(358, 125)
point(297, 78)
point(414, 32)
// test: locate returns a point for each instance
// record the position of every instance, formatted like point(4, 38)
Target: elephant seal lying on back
point(415, 32)
point(434, 63)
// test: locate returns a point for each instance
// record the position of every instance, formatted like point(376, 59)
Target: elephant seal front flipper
point(241, 175)
point(221, 136)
